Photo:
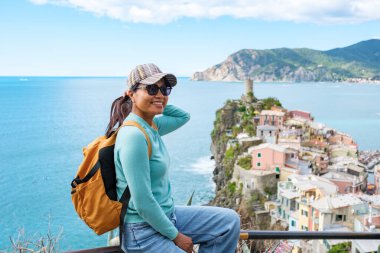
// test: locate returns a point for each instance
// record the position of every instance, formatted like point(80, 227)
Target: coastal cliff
point(235, 117)
point(354, 63)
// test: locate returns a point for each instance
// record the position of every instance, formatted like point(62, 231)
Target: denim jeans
point(215, 229)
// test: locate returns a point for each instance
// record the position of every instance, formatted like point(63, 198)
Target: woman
point(152, 222)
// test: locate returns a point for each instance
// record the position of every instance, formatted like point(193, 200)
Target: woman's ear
point(129, 93)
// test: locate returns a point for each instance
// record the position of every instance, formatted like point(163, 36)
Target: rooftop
point(367, 245)
point(297, 121)
point(310, 182)
point(297, 110)
point(340, 176)
point(272, 113)
point(267, 145)
point(316, 125)
point(289, 193)
point(375, 199)
point(328, 203)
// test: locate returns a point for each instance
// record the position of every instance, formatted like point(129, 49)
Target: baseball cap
point(149, 74)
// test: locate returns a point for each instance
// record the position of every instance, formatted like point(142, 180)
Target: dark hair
point(120, 109)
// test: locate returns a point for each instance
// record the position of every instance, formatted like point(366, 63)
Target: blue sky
point(108, 38)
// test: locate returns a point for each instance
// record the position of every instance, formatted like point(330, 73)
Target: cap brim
point(172, 80)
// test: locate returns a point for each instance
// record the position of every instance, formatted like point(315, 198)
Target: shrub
point(232, 187)
point(245, 162)
point(229, 153)
point(269, 102)
point(250, 129)
point(270, 190)
point(241, 108)
point(341, 248)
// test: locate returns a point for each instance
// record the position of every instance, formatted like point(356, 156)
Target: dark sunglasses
point(153, 89)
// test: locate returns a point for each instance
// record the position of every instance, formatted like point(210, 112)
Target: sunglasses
point(153, 89)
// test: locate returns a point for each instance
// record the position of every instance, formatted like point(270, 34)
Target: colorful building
point(300, 114)
point(341, 138)
point(295, 197)
point(272, 118)
point(267, 133)
point(267, 156)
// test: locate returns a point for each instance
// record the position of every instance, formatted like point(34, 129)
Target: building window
point(258, 164)
point(304, 213)
point(258, 154)
point(340, 217)
point(293, 223)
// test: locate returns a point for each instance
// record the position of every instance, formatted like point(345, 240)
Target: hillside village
point(293, 172)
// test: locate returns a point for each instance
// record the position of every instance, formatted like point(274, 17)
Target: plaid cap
point(149, 74)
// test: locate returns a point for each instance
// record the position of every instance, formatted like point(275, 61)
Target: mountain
point(358, 61)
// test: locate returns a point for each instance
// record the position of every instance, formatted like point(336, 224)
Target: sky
point(110, 37)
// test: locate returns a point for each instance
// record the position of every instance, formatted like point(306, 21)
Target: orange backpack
point(93, 191)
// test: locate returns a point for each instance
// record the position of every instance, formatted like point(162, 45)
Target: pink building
point(272, 118)
point(315, 144)
point(301, 114)
point(322, 162)
point(340, 138)
point(269, 157)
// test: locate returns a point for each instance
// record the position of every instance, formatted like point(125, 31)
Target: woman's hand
point(184, 242)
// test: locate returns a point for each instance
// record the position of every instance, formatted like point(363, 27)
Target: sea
point(46, 121)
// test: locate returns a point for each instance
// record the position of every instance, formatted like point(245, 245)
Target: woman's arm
point(172, 118)
point(135, 163)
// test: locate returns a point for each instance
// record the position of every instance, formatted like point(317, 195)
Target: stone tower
point(249, 90)
point(248, 86)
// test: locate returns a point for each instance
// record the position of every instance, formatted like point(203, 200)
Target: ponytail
point(120, 109)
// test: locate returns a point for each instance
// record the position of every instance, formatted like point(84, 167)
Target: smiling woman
point(151, 221)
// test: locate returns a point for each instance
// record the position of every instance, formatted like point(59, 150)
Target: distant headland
point(358, 63)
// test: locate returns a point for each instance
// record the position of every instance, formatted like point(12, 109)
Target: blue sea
point(45, 122)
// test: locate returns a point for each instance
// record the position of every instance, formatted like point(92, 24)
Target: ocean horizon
point(46, 121)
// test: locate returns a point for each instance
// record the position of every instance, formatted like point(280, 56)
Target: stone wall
point(254, 179)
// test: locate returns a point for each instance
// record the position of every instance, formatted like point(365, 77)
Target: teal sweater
point(148, 179)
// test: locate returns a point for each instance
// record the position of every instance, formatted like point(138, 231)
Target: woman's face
point(147, 106)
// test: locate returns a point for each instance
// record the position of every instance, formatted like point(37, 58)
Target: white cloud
point(166, 11)
point(39, 1)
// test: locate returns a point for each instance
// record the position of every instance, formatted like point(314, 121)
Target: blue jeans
point(215, 229)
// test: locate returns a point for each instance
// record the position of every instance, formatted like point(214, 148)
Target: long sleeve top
point(148, 179)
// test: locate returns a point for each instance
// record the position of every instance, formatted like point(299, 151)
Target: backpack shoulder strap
point(134, 123)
